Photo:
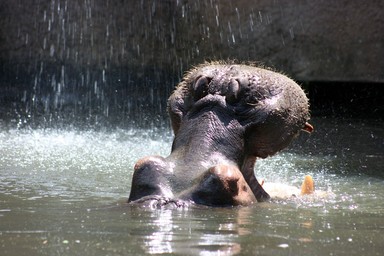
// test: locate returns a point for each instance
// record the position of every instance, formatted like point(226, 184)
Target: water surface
point(63, 192)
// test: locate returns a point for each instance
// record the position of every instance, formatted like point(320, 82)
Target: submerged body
point(224, 116)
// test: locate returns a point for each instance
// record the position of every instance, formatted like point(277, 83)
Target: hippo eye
point(200, 88)
point(232, 91)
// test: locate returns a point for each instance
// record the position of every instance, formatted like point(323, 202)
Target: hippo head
point(269, 108)
point(224, 116)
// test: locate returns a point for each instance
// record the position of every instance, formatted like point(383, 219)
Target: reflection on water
point(160, 240)
point(64, 192)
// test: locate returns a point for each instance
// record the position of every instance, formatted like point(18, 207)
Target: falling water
point(73, 63)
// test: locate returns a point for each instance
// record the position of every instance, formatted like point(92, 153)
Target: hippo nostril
point(200, 87)
point(232, 91)
point(233, 186)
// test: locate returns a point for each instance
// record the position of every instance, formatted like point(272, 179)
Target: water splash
point(73, 164)
point(81, 164)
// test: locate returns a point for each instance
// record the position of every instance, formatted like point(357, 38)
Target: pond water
point(64, 192)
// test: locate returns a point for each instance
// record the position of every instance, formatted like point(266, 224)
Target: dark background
point(104, 63)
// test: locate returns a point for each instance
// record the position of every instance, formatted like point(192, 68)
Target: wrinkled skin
point(224, 116)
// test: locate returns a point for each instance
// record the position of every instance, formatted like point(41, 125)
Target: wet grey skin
point(224, 116)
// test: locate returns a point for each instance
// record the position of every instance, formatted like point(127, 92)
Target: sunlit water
point(63, 192)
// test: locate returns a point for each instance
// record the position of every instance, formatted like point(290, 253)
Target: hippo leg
point(221, 185)
point(149, 179)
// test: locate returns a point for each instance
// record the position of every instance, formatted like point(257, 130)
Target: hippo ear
point(200, 87)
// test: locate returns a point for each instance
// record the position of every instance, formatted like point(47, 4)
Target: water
point(63, 192)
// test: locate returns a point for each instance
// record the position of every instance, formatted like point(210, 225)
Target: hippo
point(224, 116)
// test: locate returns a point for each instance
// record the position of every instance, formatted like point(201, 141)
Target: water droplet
point(52, 50)
point(292, 34)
